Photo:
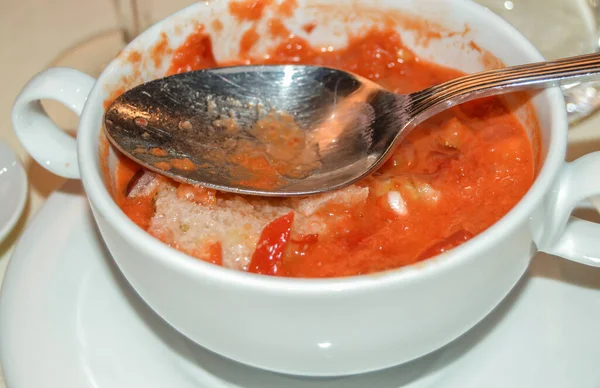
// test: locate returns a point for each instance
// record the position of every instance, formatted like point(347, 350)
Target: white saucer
point(13, 189)
point(69, 320)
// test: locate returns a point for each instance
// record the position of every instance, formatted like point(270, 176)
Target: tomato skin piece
point(266, 259)
point(215, 254)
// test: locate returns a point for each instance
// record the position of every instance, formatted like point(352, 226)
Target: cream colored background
point(33, 33)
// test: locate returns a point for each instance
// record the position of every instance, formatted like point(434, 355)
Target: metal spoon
point(293, 130)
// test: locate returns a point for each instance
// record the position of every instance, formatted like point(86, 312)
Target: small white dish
point(69, 319)
point(13, 189)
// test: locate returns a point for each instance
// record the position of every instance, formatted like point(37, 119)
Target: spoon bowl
point(293, 130)
point(340, 118)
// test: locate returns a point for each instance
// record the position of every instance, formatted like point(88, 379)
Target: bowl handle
point(51, 147)
point(566, 236)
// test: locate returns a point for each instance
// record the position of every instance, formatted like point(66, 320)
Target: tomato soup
point(454, 176)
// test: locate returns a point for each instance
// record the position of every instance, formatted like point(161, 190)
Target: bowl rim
point(104, 205)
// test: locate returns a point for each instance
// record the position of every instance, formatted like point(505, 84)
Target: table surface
point(32, 36)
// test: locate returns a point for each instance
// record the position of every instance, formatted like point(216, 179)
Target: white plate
point(70, 320)
point(13, 189)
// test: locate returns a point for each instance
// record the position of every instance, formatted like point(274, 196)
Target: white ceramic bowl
point(332, 326)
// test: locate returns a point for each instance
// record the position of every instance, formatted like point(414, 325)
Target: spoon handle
point(505, 80)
